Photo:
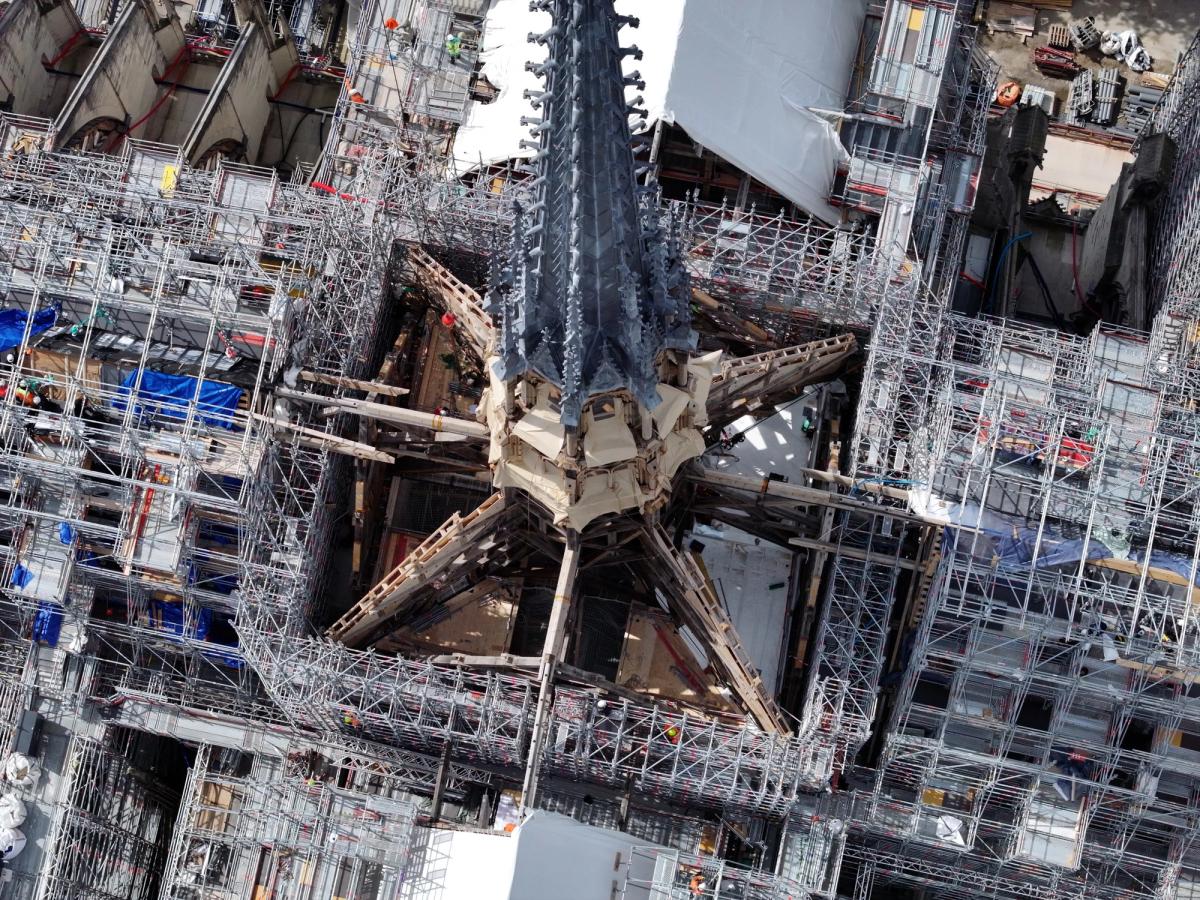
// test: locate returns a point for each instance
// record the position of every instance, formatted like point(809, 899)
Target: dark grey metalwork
point(593, 289)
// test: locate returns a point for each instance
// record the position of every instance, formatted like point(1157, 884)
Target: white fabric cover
point(21, 770)
point(745, 83)
point(12, 842)
point(12, 811)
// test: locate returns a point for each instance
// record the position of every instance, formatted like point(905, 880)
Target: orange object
point(448, 319)
point(391, 24)
point(355, 94)
point(1008, 94)
point(697, 885)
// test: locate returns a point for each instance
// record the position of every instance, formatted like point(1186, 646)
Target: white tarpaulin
point(742, 79)
point(746, 79)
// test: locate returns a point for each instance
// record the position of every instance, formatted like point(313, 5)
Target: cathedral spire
point(593, 288)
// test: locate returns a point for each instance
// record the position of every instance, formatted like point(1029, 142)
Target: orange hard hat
point(391, 24)
point(448, 319)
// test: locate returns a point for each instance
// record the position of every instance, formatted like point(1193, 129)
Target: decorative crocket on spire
point(593, 288)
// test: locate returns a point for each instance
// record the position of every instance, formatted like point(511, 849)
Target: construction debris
point(1126, 46)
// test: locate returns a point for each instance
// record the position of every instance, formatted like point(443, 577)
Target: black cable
point(1040, 279)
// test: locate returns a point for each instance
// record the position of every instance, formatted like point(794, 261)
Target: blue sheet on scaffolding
point(12, 325)
point(173, 395)
point(47, 623)
point(171, 617)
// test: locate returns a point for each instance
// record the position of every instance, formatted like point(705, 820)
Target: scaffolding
point(656, 874)
point(108, 826)
point(179, 543)
point(1041, 741)
point(297, 827)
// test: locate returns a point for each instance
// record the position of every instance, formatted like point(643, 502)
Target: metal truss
point(706, 763)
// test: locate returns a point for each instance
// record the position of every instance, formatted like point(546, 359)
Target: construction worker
point(673, 734)
point(698, 885)
point(454, 45)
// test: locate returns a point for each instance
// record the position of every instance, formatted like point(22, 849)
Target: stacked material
point(1033, 95)
point(1056, 63)
point(1084, 35)
point(1108, 103)
point(1139, 104)
point(1082, 100)
point(1059, 37)
point(1016, 18)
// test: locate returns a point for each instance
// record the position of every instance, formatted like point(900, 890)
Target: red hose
point(182, 56)
point(287, 79)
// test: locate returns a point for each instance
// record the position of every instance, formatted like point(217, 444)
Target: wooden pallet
point(1059, 37)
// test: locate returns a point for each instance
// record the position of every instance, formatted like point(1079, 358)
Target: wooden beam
point(741, 328)
point(456, 297)
point(370, 387)
point(765, 488)
point(748, 382)
point(458, 543)
point(503, 661)
point(311, 437)
point(382, 412)
point(697, 604)
point(552, 653)
point(852, 552)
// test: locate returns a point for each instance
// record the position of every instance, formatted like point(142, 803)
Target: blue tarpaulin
point(173, 395)
point(170, 617)
point(21, 576)
point(12, 325)
point(47, 623)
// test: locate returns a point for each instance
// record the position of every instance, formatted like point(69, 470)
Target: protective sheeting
point(545, 857)
point(1012, 544)
point(745, 83)
point(47, 623)
point(753, 580)
point(13, 323)
point(741, 81)
point(558, 858)
point(173, 395)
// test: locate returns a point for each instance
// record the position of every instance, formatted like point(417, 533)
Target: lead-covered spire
point(593, 289)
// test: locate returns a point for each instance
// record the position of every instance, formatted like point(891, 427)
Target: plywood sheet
point(477, 628)
point(655, 660)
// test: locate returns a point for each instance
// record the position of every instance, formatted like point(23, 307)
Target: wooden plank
point(458, 543)
point(1129, 567)
point(656, 661)
point(312, 438)
point(354, 384)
